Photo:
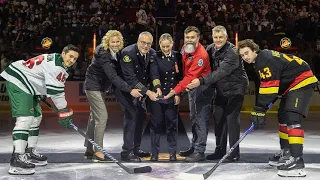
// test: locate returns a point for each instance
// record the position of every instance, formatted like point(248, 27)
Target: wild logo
point(46, 43)
point(285, 43)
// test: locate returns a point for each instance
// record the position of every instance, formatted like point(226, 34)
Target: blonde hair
point(166, 36)
point(106, 38)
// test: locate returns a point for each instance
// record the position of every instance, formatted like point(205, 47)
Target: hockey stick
point(144, 169)
point(207, 174)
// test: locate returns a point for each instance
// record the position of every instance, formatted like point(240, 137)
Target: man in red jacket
point(196, 63)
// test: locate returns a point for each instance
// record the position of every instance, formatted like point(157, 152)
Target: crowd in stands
point(24, 23)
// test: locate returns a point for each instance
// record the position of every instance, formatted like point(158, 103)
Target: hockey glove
point(65, 117)
point(258, 117)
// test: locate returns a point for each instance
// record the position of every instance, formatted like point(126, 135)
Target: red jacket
point(195, 65)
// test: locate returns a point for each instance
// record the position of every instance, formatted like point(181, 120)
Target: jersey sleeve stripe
point(302, 80)
point(272, 83)
point(269, 90)
point(53, 91)
point(55, 87)
point(305, 82)
point(17, 76)
point(25, 78)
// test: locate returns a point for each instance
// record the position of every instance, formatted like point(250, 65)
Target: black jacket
point(135, 68)
point(105, 71)
point(280, 73)
point(166, 72)
point(228, 73)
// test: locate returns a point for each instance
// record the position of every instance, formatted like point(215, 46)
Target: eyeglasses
point(143, 43)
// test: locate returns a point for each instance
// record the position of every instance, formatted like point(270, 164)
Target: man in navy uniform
point(166, 72)
point(135, 65)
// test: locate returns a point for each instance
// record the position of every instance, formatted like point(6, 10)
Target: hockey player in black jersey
point(291, 77)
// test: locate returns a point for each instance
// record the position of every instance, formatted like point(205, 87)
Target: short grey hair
point(220, 28)
point(145, 33)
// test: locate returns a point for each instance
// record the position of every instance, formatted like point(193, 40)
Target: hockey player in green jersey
point(43, 75)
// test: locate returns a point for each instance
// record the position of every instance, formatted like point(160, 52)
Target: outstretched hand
point(194, 83)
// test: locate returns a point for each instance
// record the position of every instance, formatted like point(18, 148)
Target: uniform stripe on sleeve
point(273, 83)
point(269, 90)
point(25, 78)
point(55, 87)
point(16, 75)
point(53, 91)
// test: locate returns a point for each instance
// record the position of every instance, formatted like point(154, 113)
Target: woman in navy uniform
point(166, 72)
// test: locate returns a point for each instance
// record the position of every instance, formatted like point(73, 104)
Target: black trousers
point(160, 112)
point(135, 114)
point(227, 121)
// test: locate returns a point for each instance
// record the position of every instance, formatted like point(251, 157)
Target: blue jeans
point(200, 100)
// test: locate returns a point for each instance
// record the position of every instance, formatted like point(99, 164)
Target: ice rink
point(65, 149)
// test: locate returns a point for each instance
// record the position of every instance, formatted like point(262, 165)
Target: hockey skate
point(35, 158)
point(294, 167)
point(279, 158)
point(20, 166)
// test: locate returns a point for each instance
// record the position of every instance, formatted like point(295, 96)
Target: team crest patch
point(200, 62)
point(126, 59)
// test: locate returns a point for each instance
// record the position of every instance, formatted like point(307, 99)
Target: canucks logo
point(285, 43)
point(46, 43)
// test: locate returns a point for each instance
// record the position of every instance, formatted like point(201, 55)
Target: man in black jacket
point(230, 80)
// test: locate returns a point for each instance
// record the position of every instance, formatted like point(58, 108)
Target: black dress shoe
point(154, 157)
point(130, 158)
point(195, 157)
point(216, 155)
point(141, 153)
point(188, 152)
point(233, 158)
point(173, 157)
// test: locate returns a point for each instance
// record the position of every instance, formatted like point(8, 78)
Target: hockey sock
point(34, 132)
point(296, 140)
point(283, 136)
point(20, 134)
point(33, 137)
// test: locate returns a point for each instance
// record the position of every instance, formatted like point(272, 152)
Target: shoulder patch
point(50, 57)
point(126, 59)
point(200, 62)
point(182, 51)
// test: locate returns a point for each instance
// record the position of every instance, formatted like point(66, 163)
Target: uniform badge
point(126, 59)
point(200, 62)
point(182, 51)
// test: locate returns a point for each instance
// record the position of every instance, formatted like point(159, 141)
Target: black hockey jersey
point(280, 73)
